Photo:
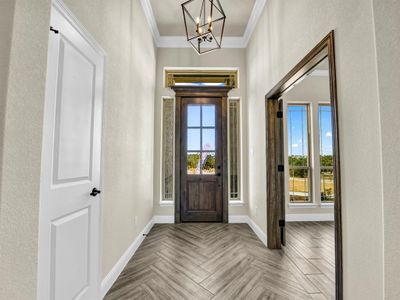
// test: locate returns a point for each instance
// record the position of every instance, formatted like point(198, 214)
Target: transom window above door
point(201, 139)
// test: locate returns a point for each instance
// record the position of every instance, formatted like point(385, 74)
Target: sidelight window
point(299, 153)
point(234, 149)
point(168, 137)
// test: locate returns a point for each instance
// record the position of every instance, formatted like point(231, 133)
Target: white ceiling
point(169, 19)
point(166, 22)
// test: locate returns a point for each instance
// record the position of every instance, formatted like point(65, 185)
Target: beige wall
point(121, 29)
point(22, 149)
point(187, 57)
point(6, 25)
point(286, 32)
point(387, 34)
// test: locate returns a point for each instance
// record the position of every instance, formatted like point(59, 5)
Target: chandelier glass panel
point(204, 23)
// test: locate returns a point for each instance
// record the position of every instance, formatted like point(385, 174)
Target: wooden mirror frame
point(274, 139)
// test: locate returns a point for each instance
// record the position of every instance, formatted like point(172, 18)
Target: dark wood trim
point(225, 179)
point(178, 107)
point(313, 58)
point(336, 169)
point(198, 92)
point(325, 48)
point(274, 177)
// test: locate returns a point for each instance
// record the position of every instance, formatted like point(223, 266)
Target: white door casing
point(69, 225)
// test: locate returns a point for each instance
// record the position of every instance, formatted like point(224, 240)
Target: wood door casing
point(275, 177)
point(201, 92)
point(201, 188)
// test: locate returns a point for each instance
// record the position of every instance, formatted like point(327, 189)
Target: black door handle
point(218, 174)
point(95, 192)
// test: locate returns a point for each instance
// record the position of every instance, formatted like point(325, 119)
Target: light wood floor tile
point(228, 261)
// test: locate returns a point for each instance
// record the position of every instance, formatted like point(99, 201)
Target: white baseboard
point(112, 276)
point(258, 231)
point(238, 219)
point(309, 217)
point(164, 219)
point(247, 220)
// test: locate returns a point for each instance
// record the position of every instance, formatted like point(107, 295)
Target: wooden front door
point(201, 160)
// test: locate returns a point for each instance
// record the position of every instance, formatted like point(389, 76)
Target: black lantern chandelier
point(204, 23)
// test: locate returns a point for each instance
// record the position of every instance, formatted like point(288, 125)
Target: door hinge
point(54, 30)
point(279, 114)
point(281, 223)
point(281, 168)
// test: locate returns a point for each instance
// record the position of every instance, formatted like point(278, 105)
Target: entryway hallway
point(88, 150)
point(228, 261)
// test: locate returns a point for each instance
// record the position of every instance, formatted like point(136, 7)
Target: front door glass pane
point(208, 115)
point(194, 115)
point(208, 139)
point(208, 163)
point(193, 163)
point(193, 139)
point(201, 139)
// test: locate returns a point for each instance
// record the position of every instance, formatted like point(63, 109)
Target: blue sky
point(325, 128)
point(297, 130)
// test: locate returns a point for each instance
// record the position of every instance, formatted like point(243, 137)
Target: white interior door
point(69, 243)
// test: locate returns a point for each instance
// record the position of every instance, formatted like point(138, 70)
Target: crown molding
point(181, 41)
point(254, 17)
point(151, 20)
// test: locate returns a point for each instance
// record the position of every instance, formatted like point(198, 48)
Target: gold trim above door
point(224, 78)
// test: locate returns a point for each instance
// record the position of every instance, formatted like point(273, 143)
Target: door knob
point(218, 174)
point(95, 192)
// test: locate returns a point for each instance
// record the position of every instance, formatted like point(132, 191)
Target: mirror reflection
point(309, 180)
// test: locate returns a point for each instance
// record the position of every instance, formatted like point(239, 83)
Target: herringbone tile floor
point(228, 261)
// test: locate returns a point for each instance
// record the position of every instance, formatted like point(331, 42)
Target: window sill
point(231, 203)
point(302, 205)
point(236, 203)
point(311, 205)
point(327, 205)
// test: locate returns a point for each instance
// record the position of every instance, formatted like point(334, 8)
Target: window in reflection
point(326, 153)
point(299, 157)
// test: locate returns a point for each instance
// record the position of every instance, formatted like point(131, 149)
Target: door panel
point(70, 237)
point(72, 155)
point(69, 245)
point(201, 160)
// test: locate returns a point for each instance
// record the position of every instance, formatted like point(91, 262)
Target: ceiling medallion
point(204, 24)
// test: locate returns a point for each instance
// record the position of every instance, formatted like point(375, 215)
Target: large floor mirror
point(303, 173)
